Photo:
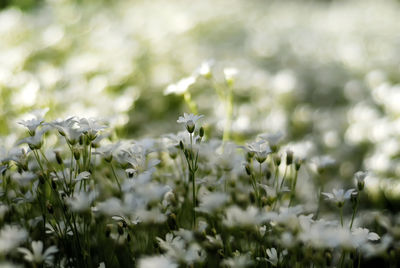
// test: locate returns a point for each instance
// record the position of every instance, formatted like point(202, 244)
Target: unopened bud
point(81, 139)
point(289, 157)
point(360, 185)
point(248, 169)
point(201, 132)
point(77, 155)
point(50, 208)
point(187, 154)
point(108, 231)
point(171, 221)
point(58, 157)
point(120, 229)
point(181, 145)
point(108, 158)
point(268, 174)
point(297, 163)
point(354, 197)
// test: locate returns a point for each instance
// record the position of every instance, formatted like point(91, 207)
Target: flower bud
point(264, 201)
point(297, 163)
point(248, 169)
point(268, 174)
point(81, 139)
point(277, 160)
point(360, 185)
point(201, 132)
point(190, 126)
point(108, 158)
point(50, 208)
point(108, 231)
point(120, 229)
point(58, 157)
point(187, 154)
point(77, 155)
point(289, 157)
point(181, 145)
point(353, 198)
point(171, 221)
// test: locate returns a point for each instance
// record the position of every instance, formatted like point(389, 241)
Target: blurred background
point(326, 73)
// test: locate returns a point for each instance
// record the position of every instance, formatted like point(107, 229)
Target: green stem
point(342, 257)
point(293, 187)
point(284, 177)
point(354, 212)
point(319, 203)
point(115, 176)
point(341, 215)
point(194, 199)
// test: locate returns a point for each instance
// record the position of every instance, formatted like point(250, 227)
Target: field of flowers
point(217, 134)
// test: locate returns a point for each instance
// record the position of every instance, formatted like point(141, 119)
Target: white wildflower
point(189, 120)
point(181, 86)
point(37, 256)
point(338, 196)
point(11, 237)
point(157, 262)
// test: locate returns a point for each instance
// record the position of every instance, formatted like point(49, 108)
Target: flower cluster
point(72, 196)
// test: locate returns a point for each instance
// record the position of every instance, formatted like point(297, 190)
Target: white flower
point(181, 250)
point(360, 179)
point(107, 151)
point(324, 162)
point(33, 123)
point(236, 216)
point(272, 138)
point(209, 203)
point(157, 262)
point(68, 128)
point(35, 141)
point(111, 207)
point(238, 261)
point(81, 201)
point(91, 127)
point(189, 120)
point(230, 74)
point(338, 196)
point(205, 69)
point(273, 257)
point(11, 237)
point(82, 176)
point(37, 256)
point(181, 86)
point(24, 178)
point(260, 149)
point(363, 235)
